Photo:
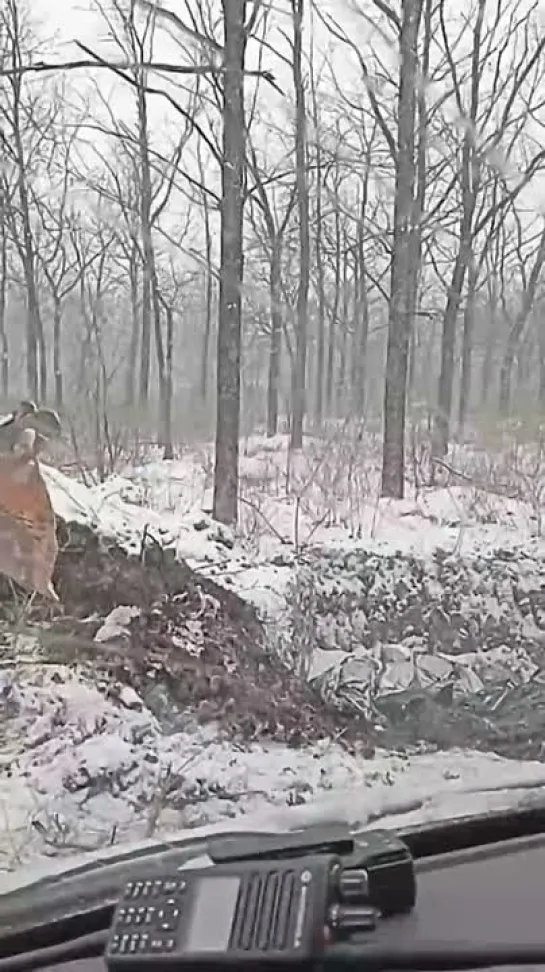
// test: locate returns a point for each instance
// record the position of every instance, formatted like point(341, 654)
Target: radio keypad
point(148, 917)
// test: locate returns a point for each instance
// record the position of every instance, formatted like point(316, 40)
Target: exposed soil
point(200, 644)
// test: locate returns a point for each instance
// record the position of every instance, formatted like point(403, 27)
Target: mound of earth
point(190, 648)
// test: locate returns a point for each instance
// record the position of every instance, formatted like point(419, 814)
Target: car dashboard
point(488, 897)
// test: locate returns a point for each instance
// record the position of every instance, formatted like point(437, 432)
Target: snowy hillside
point(420, 623)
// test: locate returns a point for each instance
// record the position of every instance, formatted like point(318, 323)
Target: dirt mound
point(201, 644)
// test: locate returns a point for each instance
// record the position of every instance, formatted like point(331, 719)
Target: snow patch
point(82, 768)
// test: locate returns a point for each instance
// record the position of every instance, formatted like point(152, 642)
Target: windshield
point(272, 375)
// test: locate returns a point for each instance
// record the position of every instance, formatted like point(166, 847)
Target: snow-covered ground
point(336, 574)
point(325, 499)
point(86, 770)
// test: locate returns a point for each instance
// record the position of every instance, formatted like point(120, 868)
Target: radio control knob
point(354, 886)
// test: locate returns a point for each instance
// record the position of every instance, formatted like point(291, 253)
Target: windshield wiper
point(89, 892)
point(97, 881)
point(474, 830)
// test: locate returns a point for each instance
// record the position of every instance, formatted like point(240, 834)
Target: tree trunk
point(168, 452)
point(209, 287)
point(401, 288)
point(130, 375)
point(341, 375)
point(300, 363)
point(470, 184)
point(145, 199)
point(57, 362)
point(333, 319)
point(4, 346)
point(225, 506)
point(362, 315)
point(467, 348)
point(517, 328)
point(275, 348)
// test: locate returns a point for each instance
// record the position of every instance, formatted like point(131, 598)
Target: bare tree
point(470, 177)
point(233, 175)
point(403, 272)
point(172, 285)
point(207, 202)
point(136, 42)
point(301, 176)
point(27, 118)
point(483, 150)
point(518, 325)
point(266, 189)
point(56, 259)
point(4, 241)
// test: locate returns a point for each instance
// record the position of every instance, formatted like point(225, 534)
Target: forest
point(282, 217)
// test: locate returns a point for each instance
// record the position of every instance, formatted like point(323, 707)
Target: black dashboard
point(489, 896)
